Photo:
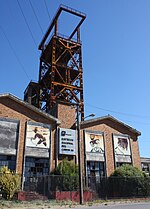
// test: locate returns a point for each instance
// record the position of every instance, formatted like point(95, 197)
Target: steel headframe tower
point(60, 74)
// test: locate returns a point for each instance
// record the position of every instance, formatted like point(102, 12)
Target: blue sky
point(116, 55)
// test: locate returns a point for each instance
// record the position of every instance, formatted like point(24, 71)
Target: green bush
point(128, 181)
point(127, 170)
point(66, 176)
point(9, 181)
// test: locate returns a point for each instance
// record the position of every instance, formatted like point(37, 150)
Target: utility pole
point(79, 157)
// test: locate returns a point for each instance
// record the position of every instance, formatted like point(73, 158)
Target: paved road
point(111, 205)
point(119, 206)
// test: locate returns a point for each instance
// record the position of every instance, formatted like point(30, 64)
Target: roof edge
point(86, 122)
point(31, 107)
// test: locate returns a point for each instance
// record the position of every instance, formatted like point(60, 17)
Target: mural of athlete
point(40, 137)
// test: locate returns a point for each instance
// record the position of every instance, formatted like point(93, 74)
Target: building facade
point(27, 137)
point(109, 143)
point(145, 163)
point(33, 142)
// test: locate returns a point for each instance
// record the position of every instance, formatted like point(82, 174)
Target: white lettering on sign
point(67, 141)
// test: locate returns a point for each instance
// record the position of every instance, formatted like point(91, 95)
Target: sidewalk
point(65, 204)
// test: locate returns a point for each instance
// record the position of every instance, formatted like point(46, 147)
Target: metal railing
point(103, 187)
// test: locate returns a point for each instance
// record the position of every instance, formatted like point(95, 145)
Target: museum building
point(33, 142)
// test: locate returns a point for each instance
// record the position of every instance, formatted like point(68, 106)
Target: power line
point(10, 45)
point(15, 54)
point(27, 23)
point(47, 9)
point(117, 112)
point(36, 16)
point(130, 121)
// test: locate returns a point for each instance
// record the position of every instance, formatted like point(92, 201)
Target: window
point(118, 164)
point(95, 172)
point(95, 168)
point(9, 161)
point(145, 168)
point(36, 167)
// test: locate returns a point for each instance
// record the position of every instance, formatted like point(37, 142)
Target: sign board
point(38, 135)
point(67, 141)
point(94, 142)
point(121, 145)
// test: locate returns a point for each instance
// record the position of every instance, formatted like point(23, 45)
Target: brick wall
point(13, 110)
point(135, 153)
point(109, 128)
point(66, 114)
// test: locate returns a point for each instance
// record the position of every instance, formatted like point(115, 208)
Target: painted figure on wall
point(38, 136)
point(121, 145)
point(95, 144)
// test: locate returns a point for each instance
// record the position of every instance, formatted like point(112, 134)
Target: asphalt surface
point(109, 205)
point(118, 206)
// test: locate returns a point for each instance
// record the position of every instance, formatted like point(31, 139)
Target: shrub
point(66, 176)
point(9, 181)
point(127, 170)
point(129, 181)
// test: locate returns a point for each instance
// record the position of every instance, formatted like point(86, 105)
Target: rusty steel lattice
point(60, 74)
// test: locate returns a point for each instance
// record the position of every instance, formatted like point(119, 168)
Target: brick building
point(145, 163)
point(18, 120)
point(109, 143)
point(33, 142)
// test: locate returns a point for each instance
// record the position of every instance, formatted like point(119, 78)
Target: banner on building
point(67, 141)
point(38, 135)
point(121, 145)
point(9, 131)
point(94, 142)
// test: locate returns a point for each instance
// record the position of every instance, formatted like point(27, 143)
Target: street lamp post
point(79, 154)
point(79, 158)
point(91, 115)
